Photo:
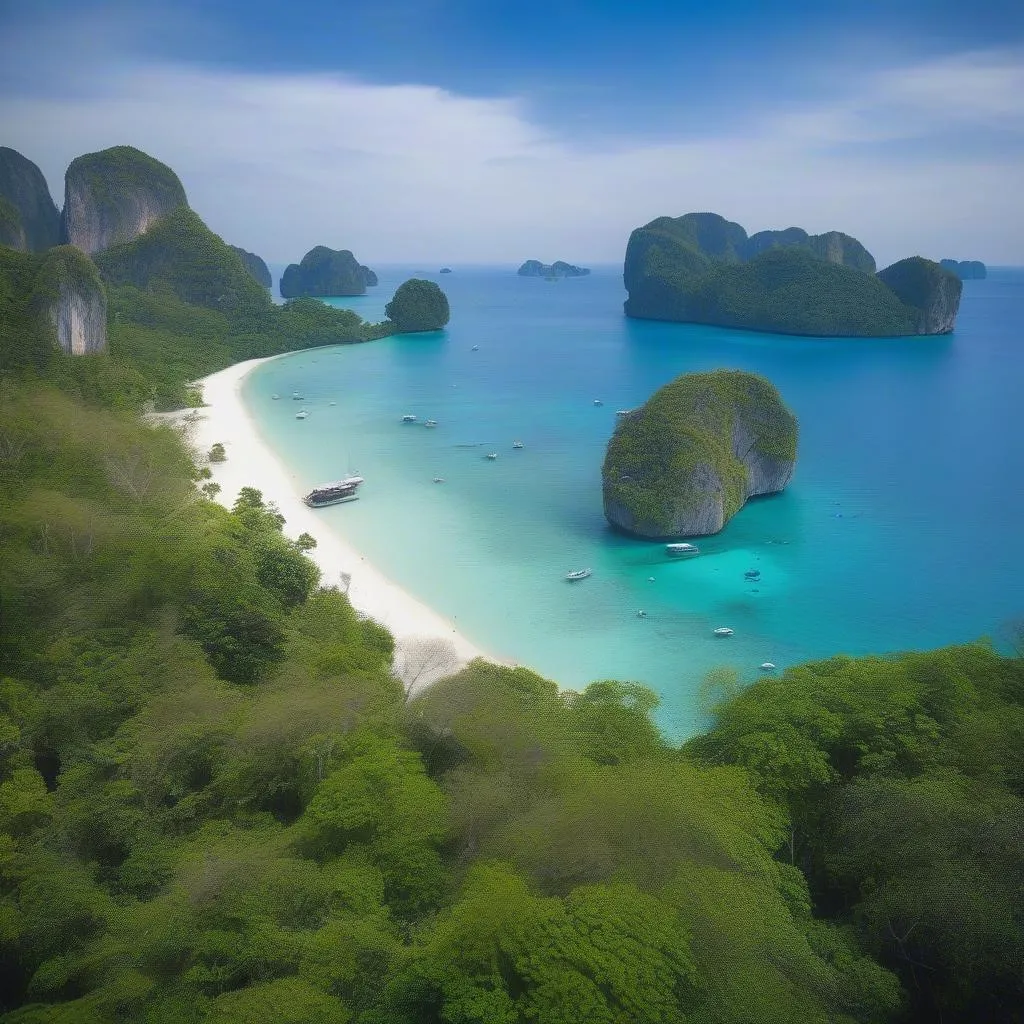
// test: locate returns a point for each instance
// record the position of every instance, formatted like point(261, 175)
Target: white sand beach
point(250, 463)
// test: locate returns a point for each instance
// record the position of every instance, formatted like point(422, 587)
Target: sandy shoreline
point(250, 463)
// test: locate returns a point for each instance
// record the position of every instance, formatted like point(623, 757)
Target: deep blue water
point(901, 529)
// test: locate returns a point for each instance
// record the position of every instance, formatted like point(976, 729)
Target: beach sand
point(250, 463)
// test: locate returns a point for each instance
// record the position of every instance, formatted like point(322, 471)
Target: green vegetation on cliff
point(23, 186)
point(418, 305)
point(12, 232)
point(702, 268)
point(966, 270)
point(255, 265)
point(672, 467)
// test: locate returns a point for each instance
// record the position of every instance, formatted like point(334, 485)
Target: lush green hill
point(701, 268)
point(255, 265)
point(326, 272)
point(418, 306)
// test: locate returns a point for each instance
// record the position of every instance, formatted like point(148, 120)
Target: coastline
point(224, 418)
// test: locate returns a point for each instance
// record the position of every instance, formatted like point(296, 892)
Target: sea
point(903, 526)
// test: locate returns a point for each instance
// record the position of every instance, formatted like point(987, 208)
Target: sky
point(461, 131)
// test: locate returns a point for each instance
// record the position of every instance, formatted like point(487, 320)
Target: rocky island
point(418, 305)
point(687, 460)
point(259, 270)
point(701, 268)
point(966, 270)
point(534, 268)
point(326, 272)
point(113, 196)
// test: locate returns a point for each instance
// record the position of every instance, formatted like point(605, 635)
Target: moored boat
point(517, 444)
point(408, 418)
point(723, 631)
point(492, 455)
point(430, 423)
point(334, 493)
point(301, 415)
point(767, 666)
point(681, 550)
point(577, 574)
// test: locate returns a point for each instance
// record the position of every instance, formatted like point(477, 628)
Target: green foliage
point(26, 205)
point(254, 265)
point(931, 291)
point(665, 459)
point(12, 231)
point(28, 340)
point(702, 268)
point(216, 453)
point(418, 306)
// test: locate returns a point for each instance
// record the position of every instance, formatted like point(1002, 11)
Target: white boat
point(438, 479)
point(767, 666)
point(723, 631)
point(492, 455)
point(275, 397)
point(408, 418)
point(597, 401)
point(623, 412)
point(296, 397)
point(517, 444)
point(681, 550)
point(475, 348)
point(301, 415)
point(334, 493)
point(577, 574)
point(430, 423)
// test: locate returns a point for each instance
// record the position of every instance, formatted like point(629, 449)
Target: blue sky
point(488, 130)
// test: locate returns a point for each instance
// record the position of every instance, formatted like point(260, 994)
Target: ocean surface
point(902, 528)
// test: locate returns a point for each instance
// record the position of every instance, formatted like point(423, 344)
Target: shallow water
point(901, 528)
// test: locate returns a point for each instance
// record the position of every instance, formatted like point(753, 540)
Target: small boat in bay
point(301, 415)
point(752, 574)
point(430, 423)
point(622, 412)
point(275, 397)
point(334, 493)
point(723, 631)
point(438, 479)
point(408, 418)
point(681, 550)
point(518, 444)
point(577, 574)
point(491, 455)
point(296, 397)
point(597, 401)
point(767, 666)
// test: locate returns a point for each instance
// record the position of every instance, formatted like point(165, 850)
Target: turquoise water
point(901, 529)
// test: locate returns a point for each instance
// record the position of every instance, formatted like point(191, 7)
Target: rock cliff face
point(701, 268)
point(76, 300)
point(325, 272)
point(931, 291)
point(966, 270)
point(255, 266)
point(534, 268)
point(685, 462)
point(23, 186)
point(113, 196)
point(369, 277)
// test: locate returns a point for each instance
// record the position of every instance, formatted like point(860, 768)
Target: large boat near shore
point(334, 493)
point(681, 550)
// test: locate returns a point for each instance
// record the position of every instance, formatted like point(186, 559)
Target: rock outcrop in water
point(29, 219)
point(114, 196)
point(534, 268)
point(701, 268)
point(325, 272)
point(686, 461)
point(966, 270)
point(418, 305)
point(259, 270)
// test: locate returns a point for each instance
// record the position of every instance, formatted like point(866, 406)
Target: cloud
point(281, 162)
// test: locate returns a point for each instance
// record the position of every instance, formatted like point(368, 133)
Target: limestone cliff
point(686, 461)
point(701, 268)
point(114, 196)
point(931, 291)
point(534, 268)
point(69, 284)
point(326, 272)
point(259, 270)
point(23, 186)
point(966, 270)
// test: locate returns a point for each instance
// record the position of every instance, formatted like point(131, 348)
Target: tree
point(420, 660)
point(217, 453)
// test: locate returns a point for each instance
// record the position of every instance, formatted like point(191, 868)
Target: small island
point(684, 463)
point(966, 270)
point(418, 305)
point(701, 268)
point(326, 272)
point(445, 270)
point(534, 268)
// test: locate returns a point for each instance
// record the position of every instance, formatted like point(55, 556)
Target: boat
point(334, 493)
point(641, 614)
point(681, 550)
point(296, 397)
point(475, 348)
point(767, 666)
point(752, 574)
point(723, 631)
point(438, 479)
point(492, 456)
point(517, 444)
point(408, 418)
point(430, 423)
point(577, 574)
point(301, 415)
point(275, 397)
point(597, 401)
point(623, 412)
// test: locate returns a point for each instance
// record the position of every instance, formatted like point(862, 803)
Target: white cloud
point(278, 163)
